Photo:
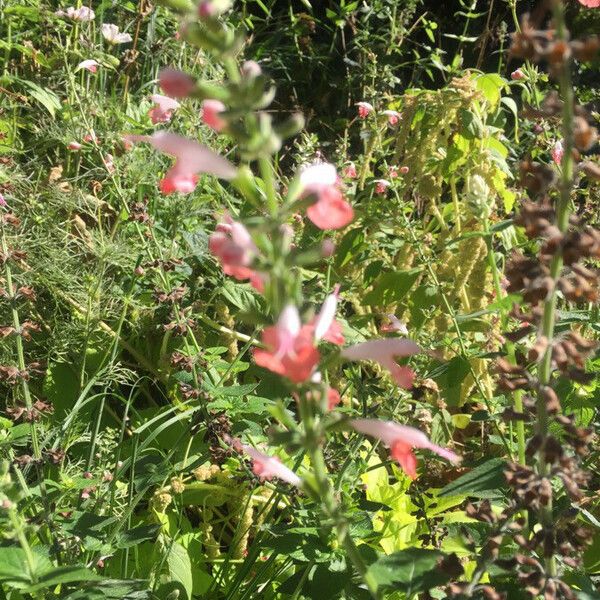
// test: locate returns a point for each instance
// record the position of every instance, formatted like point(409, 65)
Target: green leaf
point(391, 287)
point(480, 481)
point(137, 535)
point(62, 575)
point(490, 84)
point(180, 570)
point(411, 571)
point(49, 100)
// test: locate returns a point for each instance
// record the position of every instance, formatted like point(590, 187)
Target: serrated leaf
point(483, 479)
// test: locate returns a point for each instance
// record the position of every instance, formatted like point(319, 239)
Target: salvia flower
point(350, 171)
point(176, 84)
point(381, 186)
point(330, 211)
point(401, 440)
point(163, 108)
point(89, 64)
point(266, 467)
point(325, 325)
point(113, 36)
point(558, 152)
point(232, 244)
point(385, 352)
point(77, 14)
point(74, 146)
point(191, 158)
point(395, 325)
point(3, 201)
point(210, 114)
point(212, 8)
point(251, 69)
point(364, 109)
point(290, 350)
point(393, 117)
point(590, 3)
point(517, 75)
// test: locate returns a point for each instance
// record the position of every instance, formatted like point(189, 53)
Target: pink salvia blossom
point(176, 84)
point(381, 186)
point(364, 109)
point(210, 114)
point(290, 349)
point(3, 202)
point(590, 3)
point(113, 36)
point(384, 352)
point(558, 152)
point(191, 158)
point(266, 467)
point(330, 211)
point(395, 325)
point(404, 170)
point(77, 14)
point(251, 69)
point(393, 117)
point(163, 108)
point(350, 171)
point(401, 440)
point(89, 64)
point(325, 325)
point(74, 146)
point(233, 246)
point(392, 172)
point(517, 75)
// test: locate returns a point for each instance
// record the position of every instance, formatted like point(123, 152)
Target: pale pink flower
point(232, 244)
point(113, 36)
point(392, 172)
point(91, 138)
point(176, 84)
point(350, 171)
point(381, 186)
point(590, 3)
point(290, 349)
point(251, 69)
point(77, 14)
point(74, 146)
point(558, 152)
point(518, 75)
point(163, 108)
point(191, 158)
point(333, 398)
point(401, 440)
point(212, 8)
point(89, 64)
point(266, 467)
point(393, 117)
point(108, 160)
point(330, 211)
point(325, 325)
point(3, 202)
point(404, 170)
point(364, 109)
point(210, 114)
point(395, 325)
point(385, 352)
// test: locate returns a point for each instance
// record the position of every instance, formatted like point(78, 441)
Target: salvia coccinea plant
point(261, 251)
point(548, 482)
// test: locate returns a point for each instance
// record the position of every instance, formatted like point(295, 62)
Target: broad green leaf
point(391, 287)
point(481, 480)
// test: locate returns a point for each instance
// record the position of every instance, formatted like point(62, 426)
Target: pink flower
point(91, 138)
point(77, 14)
point(210, 114)
point(333, 398)
point(518, 75)
point(74, 146)
point(176, 84)
point(394, 326)
point(191, 158)
point(381, 186)
point(290, 349)
point(393, 117)
point(212, 8)
point(251, 69)
point(590, 3)
point(266, 467)
point(350, 171)
point(3, 201)
point(385, 352)
point(163, 109)
point(113, 36)
point(401, 440)
point(404, 170)
point(325, 325)
point(90, 65)
point(558, 152)
point(233, 246)
point(109, 163)
point(364, 109)
point(330, 211)
point(392, 172)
